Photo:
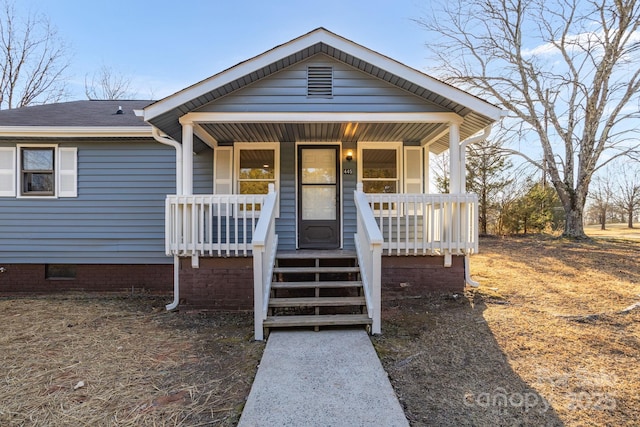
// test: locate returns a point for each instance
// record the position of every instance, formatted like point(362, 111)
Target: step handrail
point(264, 244)
point(369, 241)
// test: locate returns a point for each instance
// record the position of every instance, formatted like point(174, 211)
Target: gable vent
point(320, 82)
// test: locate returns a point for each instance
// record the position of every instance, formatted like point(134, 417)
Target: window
point(37, 171)
point(32, 170)
point(246, 168)
point(379, 170)
point(256, 171)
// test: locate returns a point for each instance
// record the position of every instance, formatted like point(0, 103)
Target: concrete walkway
point(326, 378)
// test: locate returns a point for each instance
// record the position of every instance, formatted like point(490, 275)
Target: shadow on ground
point(448, 370)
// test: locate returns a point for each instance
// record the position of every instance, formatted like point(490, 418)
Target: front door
point(318, 197)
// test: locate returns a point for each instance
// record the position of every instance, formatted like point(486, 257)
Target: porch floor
point(326, 378)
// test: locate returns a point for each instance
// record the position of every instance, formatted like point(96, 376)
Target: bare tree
point(601, 194)
point(628, 195)
point(33, 59)
point(440, 167)
point(486, 167)
point(107, 84)
point(566, 69)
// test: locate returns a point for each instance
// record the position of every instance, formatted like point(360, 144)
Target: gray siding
point(202, 172)
point(348, 205)
point(286, 224)
point(118, 216)
point(353, 91)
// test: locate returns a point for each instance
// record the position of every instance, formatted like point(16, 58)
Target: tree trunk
point(630, 215)
point(574, 226)
point(603, 220)
point(483, 213)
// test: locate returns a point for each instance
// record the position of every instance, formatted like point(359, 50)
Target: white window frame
point(383, 146)
point(58, 172)
point(275, 146)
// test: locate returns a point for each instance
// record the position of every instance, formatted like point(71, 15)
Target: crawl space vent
point(320, 82)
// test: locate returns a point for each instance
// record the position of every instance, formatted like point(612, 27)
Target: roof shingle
point(87, 113)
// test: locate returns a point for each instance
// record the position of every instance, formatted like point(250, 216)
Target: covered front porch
point(318, 144)
point(392, 223)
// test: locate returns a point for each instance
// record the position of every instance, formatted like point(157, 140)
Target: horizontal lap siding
point(353, 91)
point(117, 218)
point(286, 223)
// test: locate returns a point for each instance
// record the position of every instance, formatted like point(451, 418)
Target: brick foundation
point(20, 279)
point(219, 284)
point(412, 276)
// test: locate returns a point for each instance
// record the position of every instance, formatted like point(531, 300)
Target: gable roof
point(165, 113)
point(75, 118)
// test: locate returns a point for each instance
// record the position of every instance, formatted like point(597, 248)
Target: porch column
point(427, 170)
point(454, 159)
point(187, 158)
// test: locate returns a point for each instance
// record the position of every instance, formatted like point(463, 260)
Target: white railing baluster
point(210, 224)
point(434, 224)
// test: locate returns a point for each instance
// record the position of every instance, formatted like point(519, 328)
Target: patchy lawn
point(545, 340)
point(98, 361)
point(614, 231)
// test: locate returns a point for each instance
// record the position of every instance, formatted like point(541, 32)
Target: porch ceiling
point(225, 133)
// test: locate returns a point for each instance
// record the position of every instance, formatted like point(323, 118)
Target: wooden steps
point(316, 301)
point(316, 288)
point(312, 285)
point(321, 320)
point(291, 270)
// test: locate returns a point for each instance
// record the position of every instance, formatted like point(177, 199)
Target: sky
point(164, 46)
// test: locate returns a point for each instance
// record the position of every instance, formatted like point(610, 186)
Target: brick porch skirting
point(20, 279)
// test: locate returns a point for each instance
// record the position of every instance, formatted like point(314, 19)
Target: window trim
point(69, 190)
point(275, 146)
point(391, 145)
point(20, 172)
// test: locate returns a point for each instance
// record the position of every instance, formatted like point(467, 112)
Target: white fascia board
point(75, 131)
point(417, 77)
point(231, 74)
point(321, 117)
point(337, 42)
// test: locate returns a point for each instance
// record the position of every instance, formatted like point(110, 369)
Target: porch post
point(187, 158)
point(454, 158)
point(427, 170)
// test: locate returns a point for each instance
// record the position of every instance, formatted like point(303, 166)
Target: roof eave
point(322, 35)
point(75, 131)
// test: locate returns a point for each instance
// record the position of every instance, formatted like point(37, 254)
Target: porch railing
point(213, 225)
point(265, 246)
point(426, 224)
point(369, 243)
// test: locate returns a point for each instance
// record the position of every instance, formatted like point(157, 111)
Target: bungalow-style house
point(303, 169)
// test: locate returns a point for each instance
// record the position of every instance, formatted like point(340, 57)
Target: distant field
point(616, 231)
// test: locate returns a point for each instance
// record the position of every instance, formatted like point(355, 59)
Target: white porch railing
point(427, 224)
point(265, 246)
point(213, 225)
point(369, 242)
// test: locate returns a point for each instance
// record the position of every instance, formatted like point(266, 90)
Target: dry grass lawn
point(118, 361)
point(545, 339)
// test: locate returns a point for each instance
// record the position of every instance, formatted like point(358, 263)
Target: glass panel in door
point(318, 197)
